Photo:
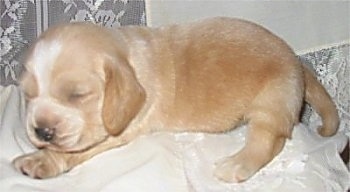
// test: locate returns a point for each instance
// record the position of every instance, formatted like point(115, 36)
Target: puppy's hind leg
point(270, 123)
point(262, 144)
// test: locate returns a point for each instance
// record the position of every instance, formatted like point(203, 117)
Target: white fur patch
point(43, 59)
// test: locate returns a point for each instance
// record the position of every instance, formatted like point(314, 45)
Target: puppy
point(90, 89)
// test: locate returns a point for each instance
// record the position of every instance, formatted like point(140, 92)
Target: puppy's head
point(79, 87)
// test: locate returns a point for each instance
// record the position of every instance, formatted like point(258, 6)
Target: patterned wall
point(23, 20)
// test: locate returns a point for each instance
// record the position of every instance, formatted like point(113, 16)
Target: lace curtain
point(23, 20)
point(332, 68)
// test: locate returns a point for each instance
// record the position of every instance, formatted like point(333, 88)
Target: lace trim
point(331, 66)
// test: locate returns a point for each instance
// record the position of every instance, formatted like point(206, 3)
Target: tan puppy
point(90, 89)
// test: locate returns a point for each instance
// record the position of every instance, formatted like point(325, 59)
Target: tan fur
point(121, 89)
point(206, 76)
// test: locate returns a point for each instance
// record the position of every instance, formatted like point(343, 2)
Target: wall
point(303, 24)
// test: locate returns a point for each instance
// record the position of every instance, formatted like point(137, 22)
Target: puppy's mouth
point(79, 147)
point(68, 143)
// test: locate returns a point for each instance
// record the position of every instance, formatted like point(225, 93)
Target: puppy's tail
point(317, 96)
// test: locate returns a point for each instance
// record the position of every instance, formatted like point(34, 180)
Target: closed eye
point(28, 96)
point(29, 86)
point(79, 96)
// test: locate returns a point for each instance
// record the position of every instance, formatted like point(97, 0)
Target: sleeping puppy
point(90, 89)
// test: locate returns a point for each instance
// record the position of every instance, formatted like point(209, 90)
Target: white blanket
point(175, 162)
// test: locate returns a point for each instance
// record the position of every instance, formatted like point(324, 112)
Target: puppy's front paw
point(40, 165)
point(234, 169)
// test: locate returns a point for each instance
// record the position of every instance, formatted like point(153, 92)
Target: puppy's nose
point(45, 134)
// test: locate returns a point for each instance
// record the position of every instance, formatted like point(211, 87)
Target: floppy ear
point(124, 96)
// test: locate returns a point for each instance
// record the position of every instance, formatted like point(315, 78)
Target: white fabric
point(175, 162)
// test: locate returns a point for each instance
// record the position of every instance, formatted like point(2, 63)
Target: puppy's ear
point(124, 96)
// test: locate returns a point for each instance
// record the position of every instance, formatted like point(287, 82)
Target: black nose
point(45, 134)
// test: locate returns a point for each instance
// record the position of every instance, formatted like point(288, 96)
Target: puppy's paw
point(234, 169)
point(39, 165)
